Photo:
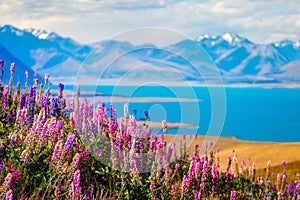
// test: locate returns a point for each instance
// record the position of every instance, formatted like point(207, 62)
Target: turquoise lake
point(251, 113)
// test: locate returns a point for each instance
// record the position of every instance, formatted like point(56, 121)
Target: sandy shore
point(258, 152)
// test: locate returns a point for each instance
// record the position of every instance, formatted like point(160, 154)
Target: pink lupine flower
point(126, 111)
point(133, 122)
point(77, 160)
point(204, 176)
point(12, 67)
point(233, 195)
point(76, 181)
point(57, 192)
point(35, 82)
point(134, 169)
point(47, 76)
point(152, 144)
point(86, 156)
point(9, 195)
point(177, 166)
point(197, 195)
point(162, 138)
point(4, 96)
point(10, 168)
point(72, 120)
point(24, 156)
point(198, 169)
point(78, 148)
point(18, 175)
point(9, 180)
point(174, 189)
point(160, 146)
point(164, 125)
point(185, 184)
point(192, 169)
point(152, 187)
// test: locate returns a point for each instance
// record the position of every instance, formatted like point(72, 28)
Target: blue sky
point(87, 21)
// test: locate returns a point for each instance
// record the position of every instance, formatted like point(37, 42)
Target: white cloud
point(92, 20)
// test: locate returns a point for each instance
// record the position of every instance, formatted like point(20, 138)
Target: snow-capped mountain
point(45, 51)
point(247, 61)
point(238, 59)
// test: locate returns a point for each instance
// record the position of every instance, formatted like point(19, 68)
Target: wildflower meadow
point(52, 147)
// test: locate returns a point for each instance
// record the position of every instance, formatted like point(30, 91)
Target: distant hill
point(20, 68)
point(238, 59)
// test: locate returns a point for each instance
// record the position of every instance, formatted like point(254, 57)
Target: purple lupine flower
point(60, 89)
point(22, 101)
point(146, 114)
point(55, 108)
point(291, 189)
point(89, 192)
point(284, 193)
point(243, 162)
point(57, 151)
point(118, 144)
point(69, 142)
point(112, 113)
point(283, 163)
point(76, 180)
point(9, 195)
point(1, 165)
point(43, 101)
point(233, 195)
point(32, 96)
point(215, 179)
point(57, 192)
point(58, 125)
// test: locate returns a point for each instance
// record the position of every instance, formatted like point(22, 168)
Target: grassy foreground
point(53, 150)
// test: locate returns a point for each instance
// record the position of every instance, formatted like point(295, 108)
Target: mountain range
point(236, 58)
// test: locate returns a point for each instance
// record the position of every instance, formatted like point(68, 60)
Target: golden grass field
point(258, 152)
